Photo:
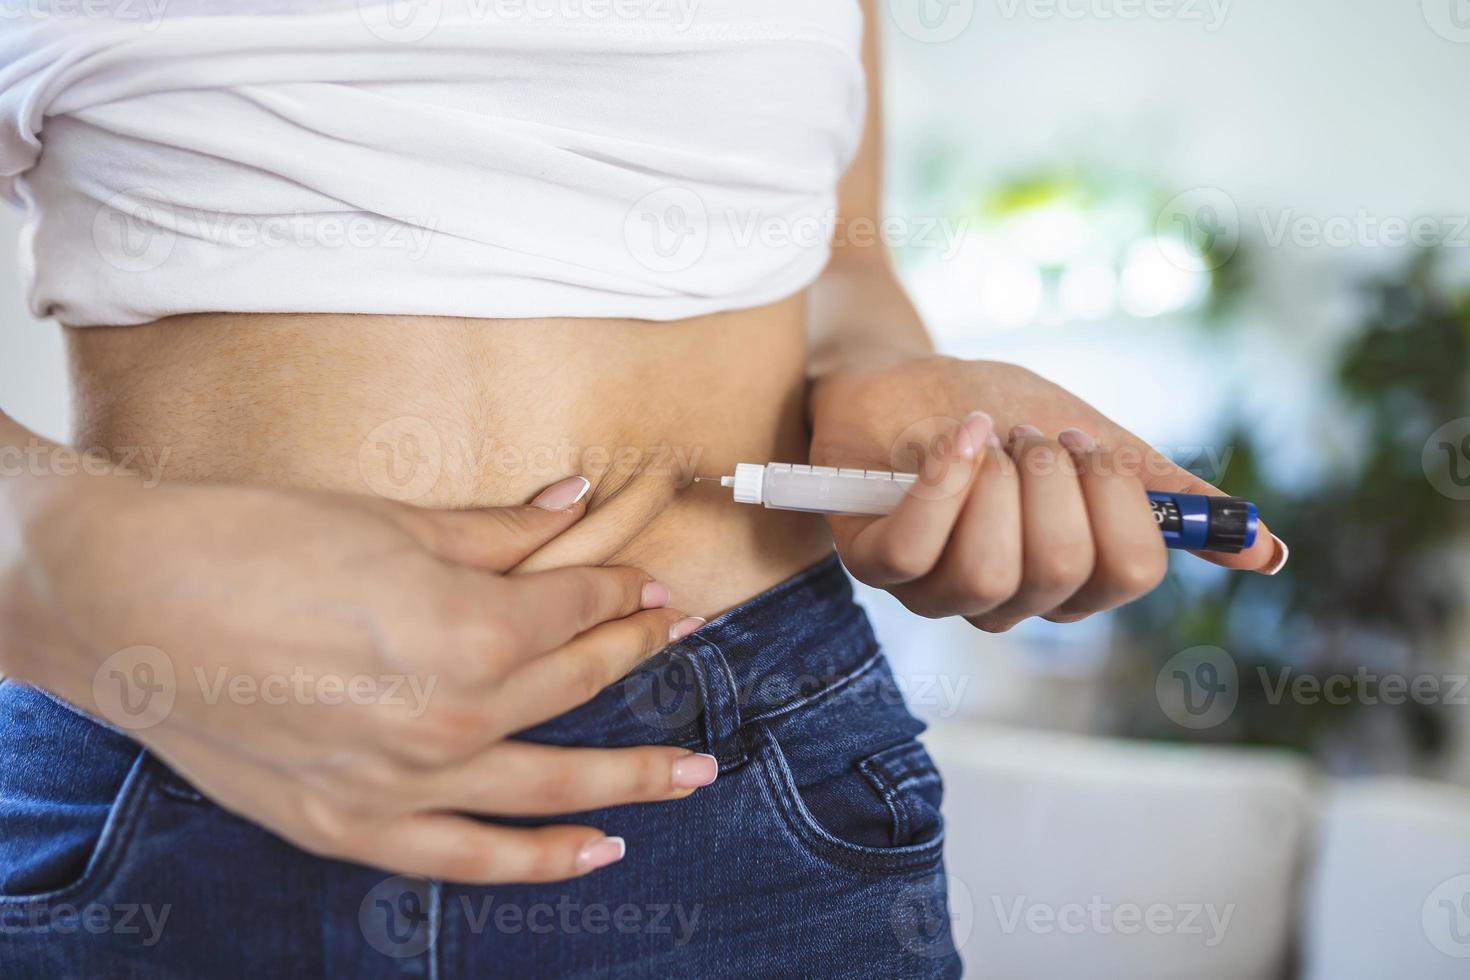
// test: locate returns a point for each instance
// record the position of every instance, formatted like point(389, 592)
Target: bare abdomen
point(458, 413)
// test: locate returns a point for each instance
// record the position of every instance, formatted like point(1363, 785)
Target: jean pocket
point(70, 794)
point(881, 813)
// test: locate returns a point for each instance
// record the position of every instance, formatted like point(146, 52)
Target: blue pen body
point(1194, 522)
point(1186, 521)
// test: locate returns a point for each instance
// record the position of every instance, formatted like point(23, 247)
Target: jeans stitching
point(777, 784)
point(106, 858)
point(436, 926)
point(866, 667)
point(720, 703)
point(888, 793)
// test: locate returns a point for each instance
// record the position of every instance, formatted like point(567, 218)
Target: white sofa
point(1390, 892)
point(1076, 856)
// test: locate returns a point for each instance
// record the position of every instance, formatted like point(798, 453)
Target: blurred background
point(1242, 229)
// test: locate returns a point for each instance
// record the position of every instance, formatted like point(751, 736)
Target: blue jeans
point(817, 853)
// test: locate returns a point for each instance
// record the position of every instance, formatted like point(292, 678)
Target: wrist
point(869, 363)
point(19, 605)
point(861, 319)
point(41, 530)
point(864, 355)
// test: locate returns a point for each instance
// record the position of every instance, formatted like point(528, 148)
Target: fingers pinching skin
point(906, 544)
point(1056, 537)
point(466, 851)
point(1131, 557)
point(496, 539)
point(523, 779)
point(573, 674)
point(546, 609)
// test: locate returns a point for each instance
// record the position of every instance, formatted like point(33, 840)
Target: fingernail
point(1279, 562)
point(695, 770)
point(1025, 432)
point(655, 595)
point(978, 428)
point(684, 627)
point(1076, 440)
point(600, 854)
point(563, 495)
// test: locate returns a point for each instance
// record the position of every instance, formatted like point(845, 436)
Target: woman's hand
point(1030, 502)
point(345, 671)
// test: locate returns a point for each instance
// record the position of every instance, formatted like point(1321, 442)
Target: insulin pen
point(1189, 521)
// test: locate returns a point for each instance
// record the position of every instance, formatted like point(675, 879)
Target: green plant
point(1372, 585)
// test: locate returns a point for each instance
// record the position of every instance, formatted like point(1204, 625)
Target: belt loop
point(720, 696)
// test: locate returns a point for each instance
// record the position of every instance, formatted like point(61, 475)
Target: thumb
point(1161, 474)
point(496, 539)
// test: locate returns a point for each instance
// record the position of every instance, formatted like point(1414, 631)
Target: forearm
point(860, 317)
point(40, 483)
point(21, 501)
point(35, 472)
point(24, 464)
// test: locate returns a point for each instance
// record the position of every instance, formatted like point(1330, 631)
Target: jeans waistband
point(772, 654)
